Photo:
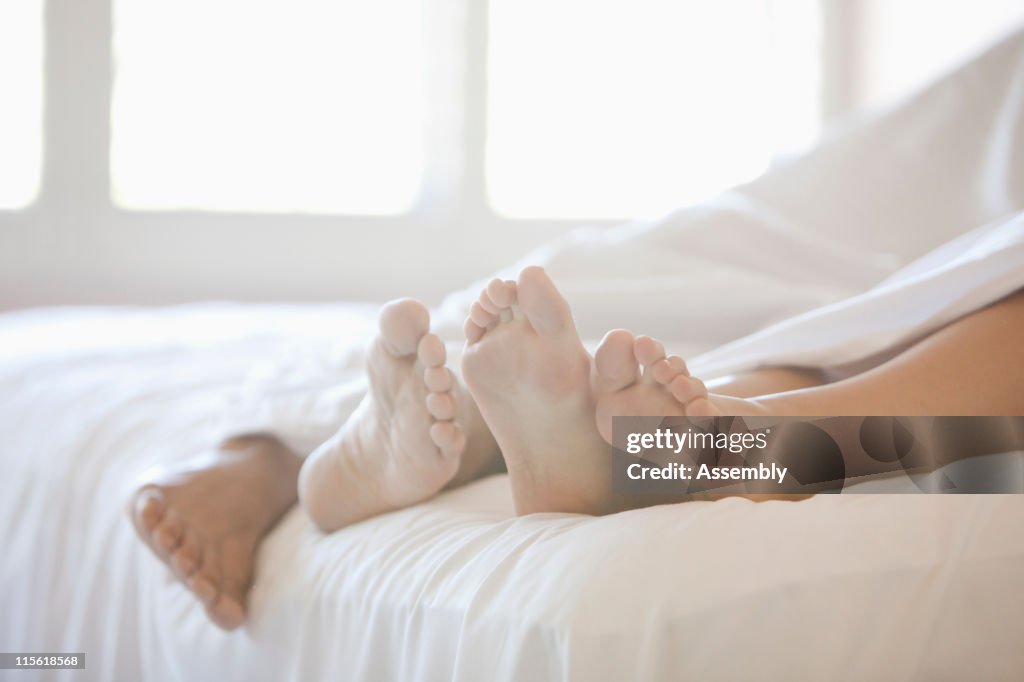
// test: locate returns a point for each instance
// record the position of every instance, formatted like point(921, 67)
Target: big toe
point(402, 324)
point(541, 302)
point(147, 509)
point(616, 365)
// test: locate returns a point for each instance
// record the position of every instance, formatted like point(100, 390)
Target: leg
point(205, 518)
point(974, 366)
point(938, 375)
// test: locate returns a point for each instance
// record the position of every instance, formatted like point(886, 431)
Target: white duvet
point(865, 254)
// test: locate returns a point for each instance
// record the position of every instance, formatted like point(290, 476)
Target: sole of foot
point(405, 441)
point(206, 517)
point(527, 368)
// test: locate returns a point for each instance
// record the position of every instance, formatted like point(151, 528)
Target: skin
point(973, 366)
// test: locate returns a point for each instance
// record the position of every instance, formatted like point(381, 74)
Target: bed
point(847, 586)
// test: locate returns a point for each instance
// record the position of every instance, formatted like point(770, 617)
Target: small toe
point(678, 366)
point(487, 304)
point(543, 305)
point(203, 587)
point(667, 369)
point(478, 314)
point(187, 558)
point(402, 324)
point(447, 436)
point(168, 535)
point(473, 331)
point(686, 389)
point(616, 366)
point(648, 351)
point(226, 613)
point(441, 406)
point(438, 379)
point(431, 351)
point(500, 293)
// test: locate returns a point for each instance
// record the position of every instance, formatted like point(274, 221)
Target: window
point(942, 35)
point(21, 82)
point(267, 106)
point(595, 110)
point(337, 149)
point(620, 109)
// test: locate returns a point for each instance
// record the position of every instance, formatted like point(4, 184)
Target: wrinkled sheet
point(858, 242)
point(858, 586)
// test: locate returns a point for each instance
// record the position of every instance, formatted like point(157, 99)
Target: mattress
point(842, 586)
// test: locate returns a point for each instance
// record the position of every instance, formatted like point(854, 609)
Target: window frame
point(74, 245)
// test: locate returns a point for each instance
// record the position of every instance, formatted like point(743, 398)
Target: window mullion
point(78, 72)
point(475, 55)
point(454, 52)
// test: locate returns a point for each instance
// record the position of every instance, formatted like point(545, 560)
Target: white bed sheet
point(862, 587)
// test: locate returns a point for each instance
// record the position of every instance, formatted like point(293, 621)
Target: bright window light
point(21, 82)
point(626, 108)
point(267, 105)
point(942, 35)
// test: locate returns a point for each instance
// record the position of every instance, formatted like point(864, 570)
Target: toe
point(616, 366)
point(686, 389)
point(448, 437)
point(402, 324)
point(226, 613)
point(479, 314)
point(431, 351)
point(678, 366)
point(441, 406)
point(186, 559)
point(487, 304)
point(664, 371)
point(473, 331)
point(541, 302)
point(500, 293)
point(648, 352)
point(148, 509)
point(168, 535)
point(438, 379)
point(203, 587)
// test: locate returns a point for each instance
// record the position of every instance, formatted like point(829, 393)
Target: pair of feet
point(532, 395)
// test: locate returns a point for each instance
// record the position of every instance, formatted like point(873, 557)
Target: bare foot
point(205, 518)
point(526, 367)
point(636, 378)
point(412, 434)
